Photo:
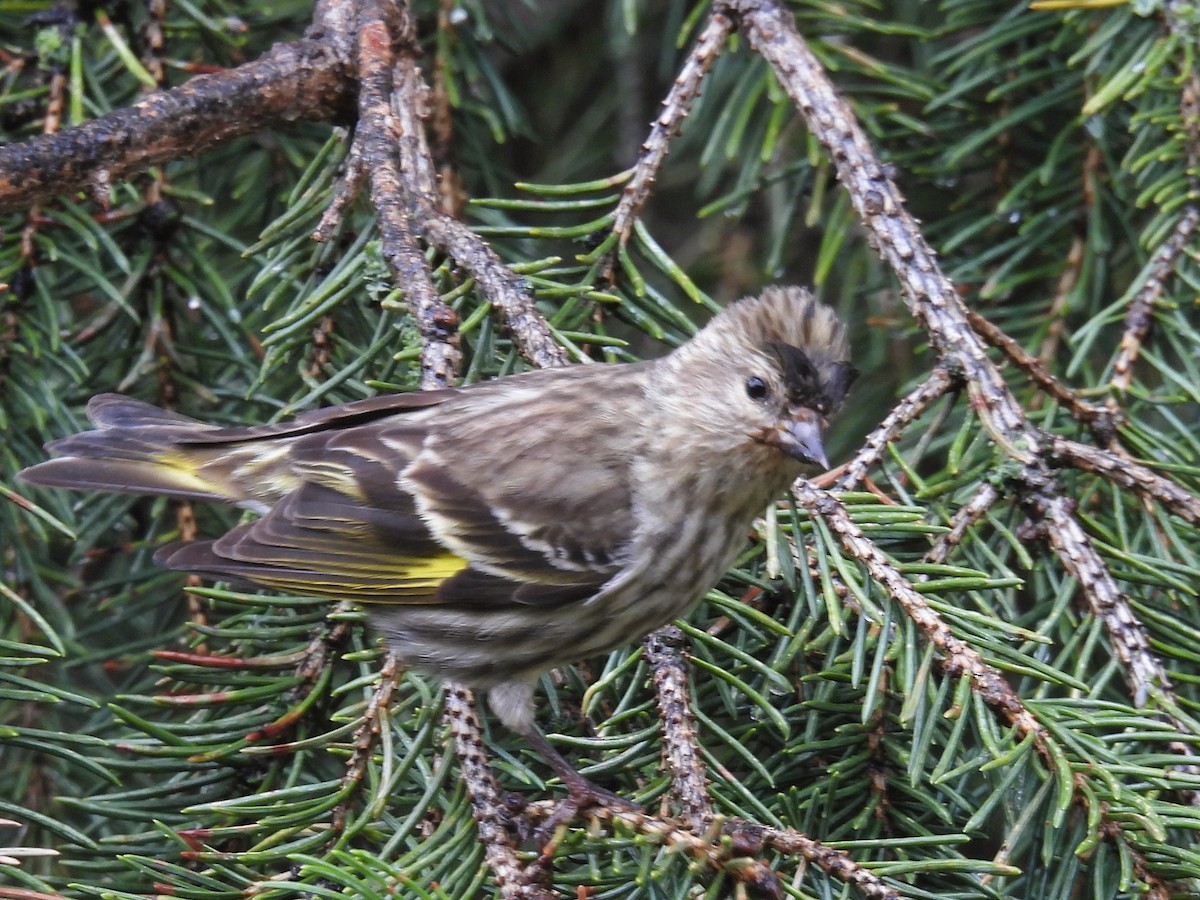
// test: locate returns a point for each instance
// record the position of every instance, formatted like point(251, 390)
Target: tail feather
point(137, 448)
point(133, 451)
point(119, 411)
point(123, 476)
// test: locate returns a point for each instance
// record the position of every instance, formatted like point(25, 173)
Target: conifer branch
point(836, 862)
point(1156, 888)
point(369, 732)
point(1144, 670)
point(1140, 314)
point(895, 235)
point(679, 100)
point(965, 518)
point(415, 188)
point(393, 180)
point(515, 880)
point(1101, 420)
point(910, 408)
point(680, 742)
point(893, 232)
point(958, 657)
point(350, 184)
point(736, 858)
point(1073, 264)
point(897, 238)
point(256, 828)
point(305, 80)
point(1126, 473)
point(1062, 532)
point(350, 49)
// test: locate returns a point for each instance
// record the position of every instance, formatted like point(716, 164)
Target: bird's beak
point(800, 435)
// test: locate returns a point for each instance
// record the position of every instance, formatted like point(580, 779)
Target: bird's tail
point(136, 449)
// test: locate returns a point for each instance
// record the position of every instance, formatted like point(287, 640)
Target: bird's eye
point(756, 388)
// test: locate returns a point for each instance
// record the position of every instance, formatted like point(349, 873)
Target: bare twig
point(902, 415)
point(303, 80)
point(675, 108)
point(491, 819)
point(964, 520)
point(1141, 308)
point(688, 782)
point(437, 323)
point(411, 107)
point(1124, 472)
point(1098, 418)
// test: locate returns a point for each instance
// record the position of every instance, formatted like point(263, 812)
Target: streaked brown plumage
point(504, 528)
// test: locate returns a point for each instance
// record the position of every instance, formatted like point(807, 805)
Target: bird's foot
point(582, 794)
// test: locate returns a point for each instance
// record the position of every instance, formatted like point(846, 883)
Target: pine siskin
point(498, 530)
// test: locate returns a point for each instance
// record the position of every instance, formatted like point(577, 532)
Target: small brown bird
point(499, 530)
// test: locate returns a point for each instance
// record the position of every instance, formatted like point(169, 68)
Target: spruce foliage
point(205, 743)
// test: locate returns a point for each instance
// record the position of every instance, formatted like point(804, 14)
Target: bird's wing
point(482, 501)
point(537, 488)
point(349, 531)
point(317, 541)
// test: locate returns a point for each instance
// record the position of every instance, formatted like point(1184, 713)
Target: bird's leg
point(581, 793)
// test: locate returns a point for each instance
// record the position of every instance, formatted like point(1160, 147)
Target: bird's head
point(763, 377)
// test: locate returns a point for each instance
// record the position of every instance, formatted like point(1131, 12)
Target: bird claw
point(582, 795)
